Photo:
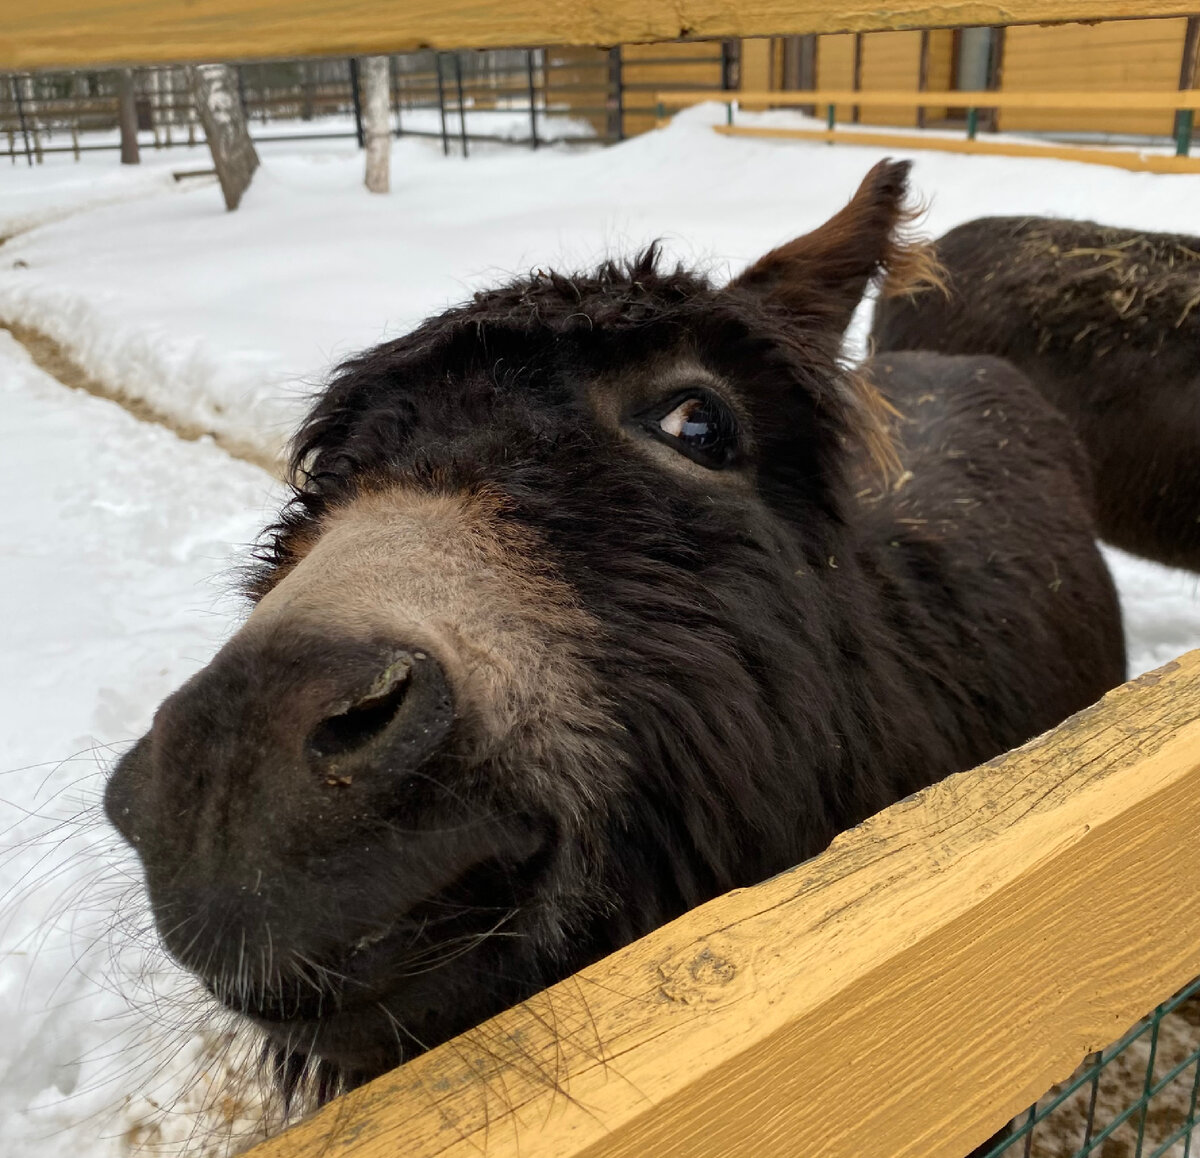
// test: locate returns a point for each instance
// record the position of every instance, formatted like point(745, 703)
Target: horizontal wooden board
point(835, 68)
point(900, 996)
point(890, 61)
point(65, 33)
point(1114, 158)
point(1104, 58)
point(1176, 99)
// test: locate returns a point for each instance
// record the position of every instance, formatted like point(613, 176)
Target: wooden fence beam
point(956, 98)
point(900, 996)
point(1128, 159)
point(77, 33)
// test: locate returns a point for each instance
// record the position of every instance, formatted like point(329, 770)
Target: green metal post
point(1184, 123)
point(729, 112)
point(830, 119)
point(972, 123)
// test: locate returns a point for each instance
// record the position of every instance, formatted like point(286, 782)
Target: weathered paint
point(901, 995)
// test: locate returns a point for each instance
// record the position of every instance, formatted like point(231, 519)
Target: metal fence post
point(923, 75)
point(533, 136)
point(16, 91)
point(356, 96)
point(1185, 119)
point(856, 110)
point(462, 111)
point(394, 66)
point(437, 60)
point(730, 72)
point(616, 101)
point(731, 51)
point(241, 87)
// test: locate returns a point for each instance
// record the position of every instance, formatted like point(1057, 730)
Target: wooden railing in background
point(66, 33)
point(1170, 100)
point(1184, 101)
point(900, 996)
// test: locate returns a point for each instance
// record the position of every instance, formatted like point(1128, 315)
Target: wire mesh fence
point(526, 96)
point(1138, 1098)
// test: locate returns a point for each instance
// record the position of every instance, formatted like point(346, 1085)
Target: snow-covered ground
point(118, 538)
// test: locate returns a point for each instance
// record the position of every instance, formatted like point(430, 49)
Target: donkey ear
point(824, 274)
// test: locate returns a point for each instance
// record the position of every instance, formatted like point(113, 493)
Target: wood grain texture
point(900, 996)
point(755, 72)
point(890, 61)
point(1171, 100)
point(64, 33)
point(835, 68)
point(1114, 158)
point(1097, 58)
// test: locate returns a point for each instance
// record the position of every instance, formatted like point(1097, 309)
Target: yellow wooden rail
point(1169, 100)
point(900, 996)
point(1135, 162)
point(1184, 101)
point(67, 33)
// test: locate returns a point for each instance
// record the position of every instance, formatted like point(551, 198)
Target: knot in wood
point(703, 975)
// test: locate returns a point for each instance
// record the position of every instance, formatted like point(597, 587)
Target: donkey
point(1106, 323)
point(590, 605)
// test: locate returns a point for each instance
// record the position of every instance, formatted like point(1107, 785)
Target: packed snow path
point(117, 545)
point(119, 538)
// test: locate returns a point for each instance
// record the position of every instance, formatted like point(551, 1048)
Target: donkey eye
point(697, 425)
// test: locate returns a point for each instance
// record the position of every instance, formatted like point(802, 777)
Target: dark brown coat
point(1106, 323)
point(589, 606)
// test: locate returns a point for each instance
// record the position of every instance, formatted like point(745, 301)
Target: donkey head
point(534, 664)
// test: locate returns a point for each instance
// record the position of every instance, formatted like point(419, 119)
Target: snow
point(120, 539)
point(117, 534)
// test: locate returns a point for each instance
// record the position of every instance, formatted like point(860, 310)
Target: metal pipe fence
point(526, 97)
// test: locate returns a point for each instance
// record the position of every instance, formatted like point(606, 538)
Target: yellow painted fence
point(67, 33)
point(901, 996)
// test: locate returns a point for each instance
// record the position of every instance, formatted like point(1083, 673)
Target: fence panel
point(901, 996)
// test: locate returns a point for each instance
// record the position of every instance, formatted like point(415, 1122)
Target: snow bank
point(227, 319)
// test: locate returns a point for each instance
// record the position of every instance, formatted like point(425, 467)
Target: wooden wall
point(1128, 54)
point(835, 66)
point(890, 60)
point(757, 65)
point(580, 85)
point(648, 69)
point(939, 74)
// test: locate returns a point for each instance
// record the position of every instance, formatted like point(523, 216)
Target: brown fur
point(534, 670)
point(870, 240)
point(448, 574)
point(1106, 323)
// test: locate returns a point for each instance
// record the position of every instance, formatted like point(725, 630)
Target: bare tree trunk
point(377, 135)
point(214, 91)
point(127, 114)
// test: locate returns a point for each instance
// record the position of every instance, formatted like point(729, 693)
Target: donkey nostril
point(361, 720)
